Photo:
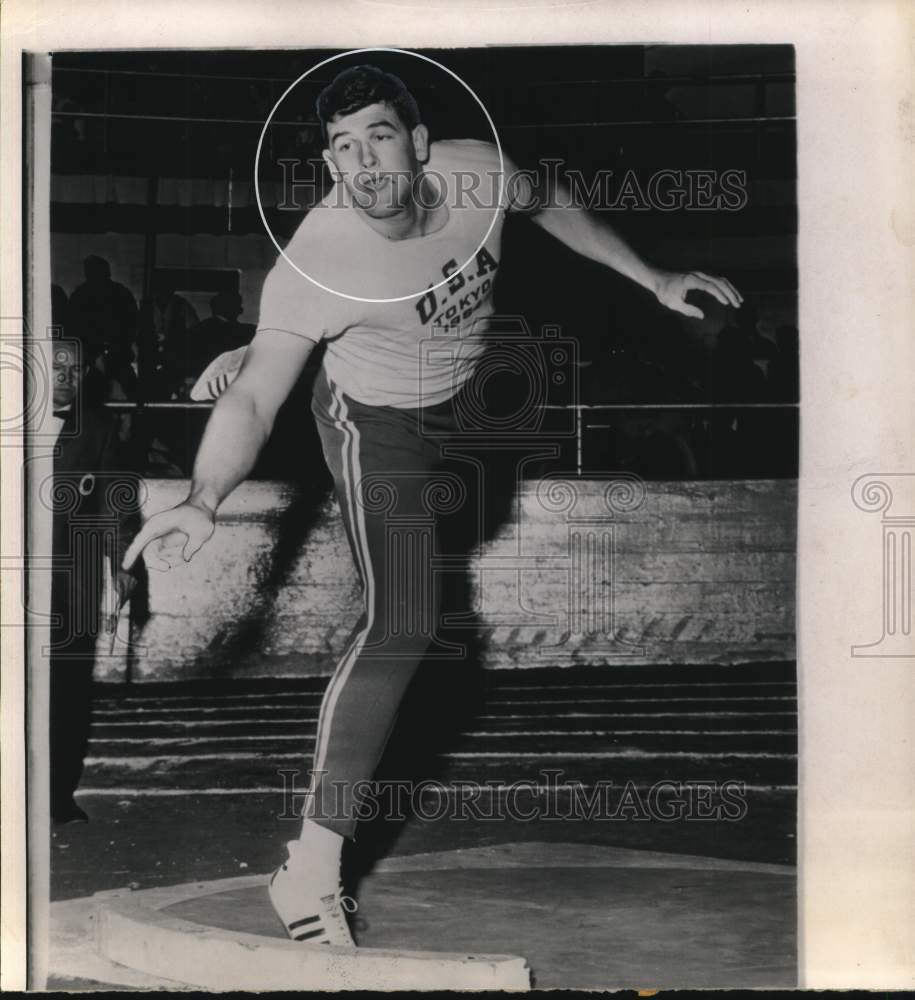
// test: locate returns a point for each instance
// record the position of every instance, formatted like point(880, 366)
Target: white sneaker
point(306, 915)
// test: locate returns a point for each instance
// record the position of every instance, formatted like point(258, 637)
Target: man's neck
point(413, 220)
point(403, 226)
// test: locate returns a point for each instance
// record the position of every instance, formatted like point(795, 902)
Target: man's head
point(374, 140)
point(96, 269)
point(69, 370)
point(228, 305)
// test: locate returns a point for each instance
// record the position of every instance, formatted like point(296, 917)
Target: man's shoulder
point(309, 265)
point(328, 219)
point(471, 167)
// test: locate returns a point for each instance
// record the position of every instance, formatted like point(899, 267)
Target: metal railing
point(580, 410)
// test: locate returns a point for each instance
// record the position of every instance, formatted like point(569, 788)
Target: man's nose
point(369, 159)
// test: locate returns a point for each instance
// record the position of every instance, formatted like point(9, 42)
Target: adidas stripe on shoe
point(307, 916)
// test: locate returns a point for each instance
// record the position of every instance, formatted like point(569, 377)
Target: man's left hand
point(672, 286)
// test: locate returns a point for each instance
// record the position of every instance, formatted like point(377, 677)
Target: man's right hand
point(237, 430)
point(182, 530)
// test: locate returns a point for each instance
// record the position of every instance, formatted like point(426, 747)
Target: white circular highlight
point(260, 207)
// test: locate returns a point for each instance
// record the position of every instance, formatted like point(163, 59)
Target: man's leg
point(382, 468)
point(69, 720)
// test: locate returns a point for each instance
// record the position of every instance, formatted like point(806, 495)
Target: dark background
point(131, 129)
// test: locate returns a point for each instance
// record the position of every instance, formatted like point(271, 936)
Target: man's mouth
point(373, 182)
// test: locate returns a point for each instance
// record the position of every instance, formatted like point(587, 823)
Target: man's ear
point(421, 143)
point(331, 166)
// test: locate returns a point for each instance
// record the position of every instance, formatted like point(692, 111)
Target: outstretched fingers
point(166, 538)
point(703, 283)
point(144, 536)
point(721, 288)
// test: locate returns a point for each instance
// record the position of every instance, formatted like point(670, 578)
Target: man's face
point(68, 374)
point(376, 157)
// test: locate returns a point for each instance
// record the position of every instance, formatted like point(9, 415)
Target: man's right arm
point(238, 428)
point(244, 414)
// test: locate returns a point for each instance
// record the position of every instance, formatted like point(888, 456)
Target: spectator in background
point(784, 376)
point(740, 365)
point(159, 438)
point(59, 307)
point(784, 379)
point(742, 441)
point(736, 378)
point(171, 314)
point(658, 365)
point(185, 355)
point(95, 515)
point(103, 316)
point(70, 147)
point(189, 355)
point(167, 317)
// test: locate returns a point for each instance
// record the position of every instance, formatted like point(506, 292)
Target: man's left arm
point(584, 232)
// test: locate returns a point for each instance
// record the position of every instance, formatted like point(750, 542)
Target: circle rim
point(269, 231)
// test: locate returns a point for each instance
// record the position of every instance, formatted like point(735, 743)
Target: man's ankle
point(314, 833)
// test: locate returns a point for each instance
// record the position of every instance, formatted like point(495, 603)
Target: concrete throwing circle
point(260, 143)
point(585, 916)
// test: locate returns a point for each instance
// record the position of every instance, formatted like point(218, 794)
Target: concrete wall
point(700, 572)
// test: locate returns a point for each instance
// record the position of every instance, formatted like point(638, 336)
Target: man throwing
point(400, 249)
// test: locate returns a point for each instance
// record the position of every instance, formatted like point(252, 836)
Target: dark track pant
point(392, 489)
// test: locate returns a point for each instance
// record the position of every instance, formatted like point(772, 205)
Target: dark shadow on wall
point(240, 640)
point(243, 639)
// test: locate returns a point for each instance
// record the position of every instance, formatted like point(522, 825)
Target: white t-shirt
point(417, 351)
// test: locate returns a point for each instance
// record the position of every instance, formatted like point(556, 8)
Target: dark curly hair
point(358, 87)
